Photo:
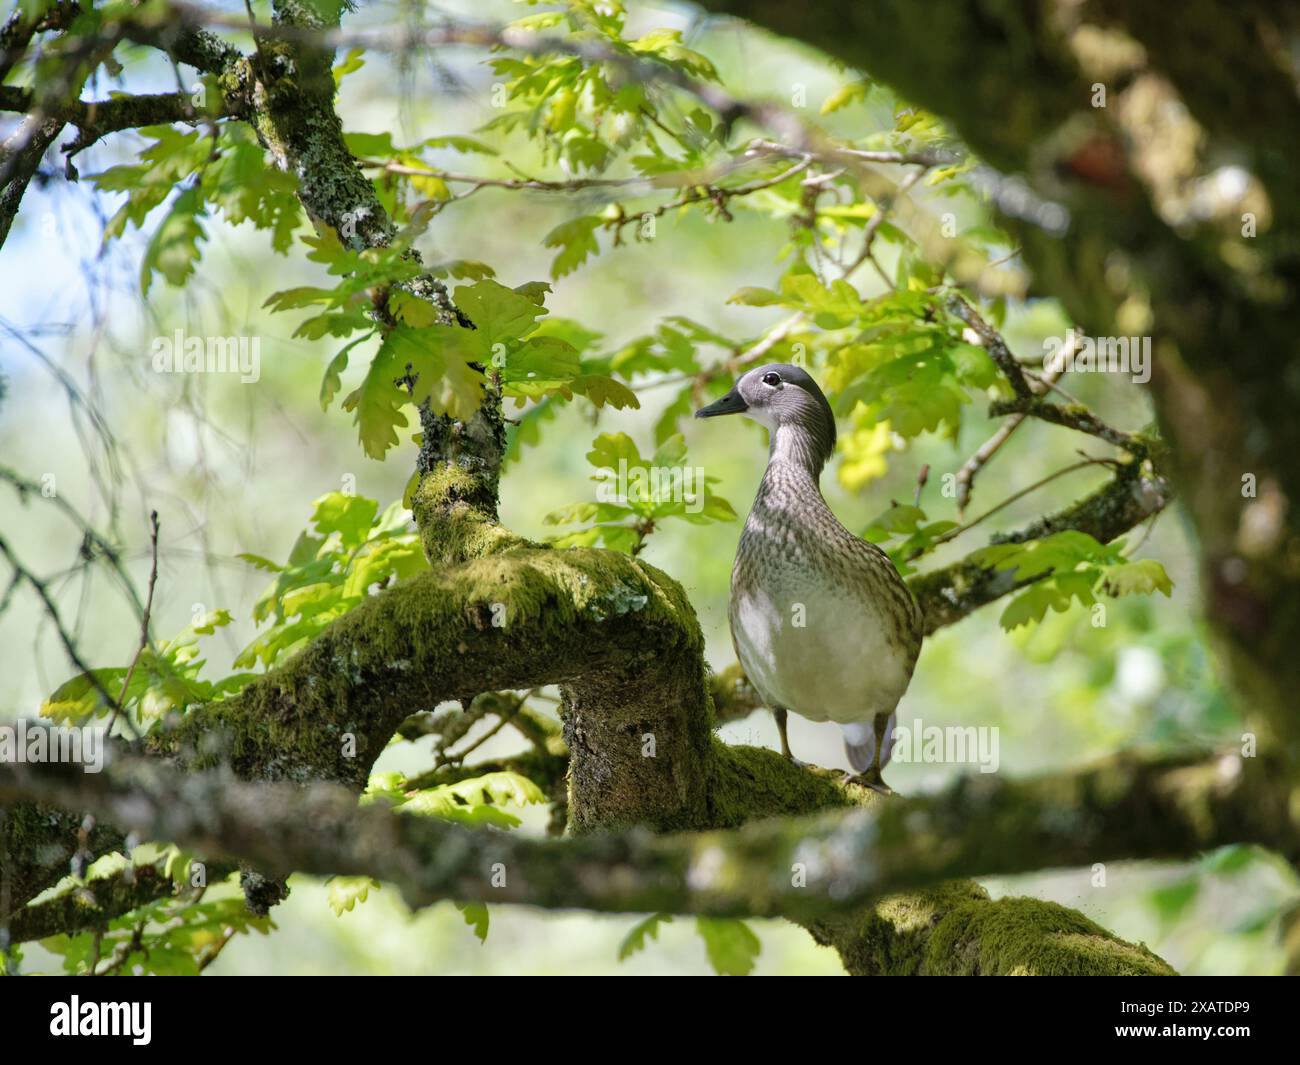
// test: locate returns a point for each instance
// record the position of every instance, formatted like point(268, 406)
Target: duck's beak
point(731, 403)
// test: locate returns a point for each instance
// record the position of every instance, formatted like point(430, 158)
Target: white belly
point(817, 651)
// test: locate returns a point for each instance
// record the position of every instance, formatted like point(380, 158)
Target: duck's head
point(780, 396)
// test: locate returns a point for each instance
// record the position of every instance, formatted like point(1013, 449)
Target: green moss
point(955, 929)
point(890, 937)
point(1031, 937)
point(456, 516)
point(500, 621)
point(37, 844)
point(93, 904)
point(747, 783)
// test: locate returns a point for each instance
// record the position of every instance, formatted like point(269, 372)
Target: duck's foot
point(870, 779)
point(795, 761)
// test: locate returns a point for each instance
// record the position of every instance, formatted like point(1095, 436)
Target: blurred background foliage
point(234, 469)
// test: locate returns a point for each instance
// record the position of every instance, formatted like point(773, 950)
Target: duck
point(821, 621)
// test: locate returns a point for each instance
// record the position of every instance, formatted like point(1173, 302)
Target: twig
point(921, 478)
point(123, 952)
point(89, 534)
point(952, 534)
point(504, 716)
point(538, 184)
point(1072, 417)
point(1146, 535)
point(994, 344)
point(144, 620)
point(750, 355)
point(924, 159)
point(972, 466)
point(883, 207)
point(96, 943)
point(214, 952)
point(1048, 381)
point(718, 195)
point(42, 590)
point(767, 343)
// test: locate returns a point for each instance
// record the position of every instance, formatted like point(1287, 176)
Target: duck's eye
point(772, 379)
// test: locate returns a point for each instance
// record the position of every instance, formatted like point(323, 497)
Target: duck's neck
point(794, 464)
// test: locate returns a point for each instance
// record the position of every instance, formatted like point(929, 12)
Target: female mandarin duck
point(822, 623)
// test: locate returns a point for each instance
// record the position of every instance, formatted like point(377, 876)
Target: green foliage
point(899, 358)
point(898, 364)
point(472, 801)
point(170, 937)
point(1069, 566)
point(233, 175)
point(680, 348)
point(634, 494)
point(347, 307)
point(575, 110)
point(849, 93)
point(908, 524)
point(246, 187)
point(350, 551)
point(345, 892)
point(352, 62)
point(644, 930)
point(730, 944)
point(174, 248)
point(421, 360)
point(165, 679)
point(1172, 900)
point(576, 240)
point(171, 158)
point(863, 450)
point(476, 916)
point(412, 366)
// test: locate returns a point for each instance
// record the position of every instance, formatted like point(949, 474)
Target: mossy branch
point(1133, 495)
point(617, 635)
point(957, 930)
point(1074, 416)
point(98, 118)
point(1124, 809)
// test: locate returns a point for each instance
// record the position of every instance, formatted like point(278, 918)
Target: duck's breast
point(818, 646)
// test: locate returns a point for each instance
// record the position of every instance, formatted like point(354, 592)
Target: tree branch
point(622, 642)
point(22, 25)
point(1074, 416)
point(1125, 809)
point(994, 345)
point(949, 594)
point(20, 156)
